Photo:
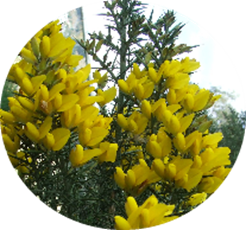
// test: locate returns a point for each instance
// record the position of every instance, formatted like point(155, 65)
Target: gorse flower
point(74, 149)
point(150, 213)
point(49, 105)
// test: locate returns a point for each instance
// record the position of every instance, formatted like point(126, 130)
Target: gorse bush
point(130, 148)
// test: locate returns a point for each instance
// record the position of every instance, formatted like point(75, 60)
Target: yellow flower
point(109, 151)
point(159, 145)
point(197, 198)
point(189, 65)
point(119, 177)
point(212, 158)
point(13, 159)
point(101, 79)
point(180, 80)
point(57, 139)
point(136, 180)
point(221, 172)
point(146, 108)
point(209, 184)
point(79, 156)
point(108, 95)
point(45, 46)
point(150, 213)
point(28, 56)
point(11, 145)
point(92, 136)
point(35, 134)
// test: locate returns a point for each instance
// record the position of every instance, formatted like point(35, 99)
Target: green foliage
point(233, 129)
point(8, 89)
point(229, 121)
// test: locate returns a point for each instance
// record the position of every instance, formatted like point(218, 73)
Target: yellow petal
point(68, 101)
point(185, 122)
point(85, 136)
point(155, 149)
point(209, 184)
point(15, 162)
point(194, 177)
point(130, 179)
point(45, 127)
point(122, 121)
point(57, 102)
point(27, 86)
point(26, 103)
point(97, 135)
point(153, 75)
point(119, 177)
point(61, 136)
point(76, 156)
point(179, 142)
point(145, 218)
point(146, 108)
point(55, 90)
point(201, 100)
point(121, 223)
point(197, 198)
point(171, 171)
point(45, 46)
point(131, 205)
point(28, 56)
point(123, 86)
point(212, 139)
point(89, 112)
point(174, 125)
point(9, 144)
point(159, 167)
point(37, 81)
point(49, 141)
point(91, 153)
point(32, 132)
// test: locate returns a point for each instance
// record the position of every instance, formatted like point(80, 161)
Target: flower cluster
point(150, 213)
point(181, 153)
point(54, 102)
point(157, 140)
point(169, 124)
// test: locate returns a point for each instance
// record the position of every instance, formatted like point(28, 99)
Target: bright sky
point(216, 67)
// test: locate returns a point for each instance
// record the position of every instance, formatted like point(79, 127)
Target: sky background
point(216, 66)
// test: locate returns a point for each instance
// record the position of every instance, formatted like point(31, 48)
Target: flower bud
point(131, 205)
point(76, 156)
point(28, 56)
point(119, 177)
point(45, 46)
point(121, 223)
point(122, 122)
point(35, 46)
point(171, 171)
point(130, 179)
point(49, 141)
point(174, 124)
point(153, 75)
point(9, 144)
point(32, 132)
point(155, 149)
point(146, 108)
point(27, 86)
point(145, 218)
point(159, 167)
point(123, 86)
point(180, 142)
